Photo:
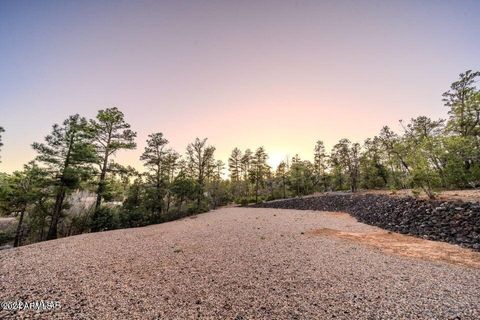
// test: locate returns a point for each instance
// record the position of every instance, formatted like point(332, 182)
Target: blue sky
point(276, 73)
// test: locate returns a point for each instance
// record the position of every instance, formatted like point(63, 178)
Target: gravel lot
point(238, 263)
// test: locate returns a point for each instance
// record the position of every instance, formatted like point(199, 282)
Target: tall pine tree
point(68, 153)
point(111, 134)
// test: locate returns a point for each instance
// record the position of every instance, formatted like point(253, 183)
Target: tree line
point(76, 161)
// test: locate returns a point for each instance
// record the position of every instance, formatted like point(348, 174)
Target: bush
point(194, 208)
point(393, 190)
point(243, 202)
point(416, 193)
point(103, 219)
point(131, 218)
point(6, 237)
point(252, 200)
point(79, 223)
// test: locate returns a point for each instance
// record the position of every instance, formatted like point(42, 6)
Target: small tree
point(463, 99)
point(111, 133)
point(320, 165)
point(347, 156)
point(246, 162)
point(217, 192)
point(22, 190)
point(408, 152)
point(301, 176)
point(373, 172)
point(184, 188)
point(396, 153)
point(235, 164)
point(133, 213)
point(68, 154)
point(154, 158)
point(235, 168)
point(281, 174)
point(258, 169)
point(200, 157)
point(172, 162)
point(423, 136)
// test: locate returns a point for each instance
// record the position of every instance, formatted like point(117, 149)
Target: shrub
point(416, 193)
point(243, 202)
point(194, 208)
point(103, 219)
point(131, 218)
point(6, 237)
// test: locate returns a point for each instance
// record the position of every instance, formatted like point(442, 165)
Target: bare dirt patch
point(403, 245)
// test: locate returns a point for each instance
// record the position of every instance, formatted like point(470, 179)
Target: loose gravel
point(455, 222)
point(235, 263)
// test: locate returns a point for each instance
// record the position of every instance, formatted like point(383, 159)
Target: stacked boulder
point(449, 221)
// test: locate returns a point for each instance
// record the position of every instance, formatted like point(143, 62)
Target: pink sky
point(281, 74)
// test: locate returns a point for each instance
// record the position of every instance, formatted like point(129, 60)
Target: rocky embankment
point(453, 222)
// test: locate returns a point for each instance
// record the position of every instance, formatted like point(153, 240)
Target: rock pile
point(453, 222)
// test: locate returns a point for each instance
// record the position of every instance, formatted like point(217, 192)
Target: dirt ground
point(403, 245)
point(244, 263)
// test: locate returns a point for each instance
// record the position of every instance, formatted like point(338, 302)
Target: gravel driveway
point(238, 263)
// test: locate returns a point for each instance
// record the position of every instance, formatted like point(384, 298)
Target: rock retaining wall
point(454, 222)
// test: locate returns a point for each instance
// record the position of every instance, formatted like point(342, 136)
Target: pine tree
point(21, 191)
point(235, 164)
point(246, 162)
point(200, 157)
point(282, 175)
point(320, 165)
point(111, 133)
point(171, 165)
point(347, 157)
point(68, 153)
point(463, 99)
point(154, 159)
point(258, 169)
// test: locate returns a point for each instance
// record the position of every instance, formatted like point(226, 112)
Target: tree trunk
point(200, 192)
point(42, 229)
point(158, 205)
point(428, 191)
point(16, 242)
point(57, 210)
point(169, 199)
point(199, 196)
point(354, 183)
point(181, 202)
point(101, 182)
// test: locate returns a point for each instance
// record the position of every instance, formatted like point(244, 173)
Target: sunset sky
point(281, 74)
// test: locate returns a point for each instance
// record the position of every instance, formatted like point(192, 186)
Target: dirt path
point(238, 263)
